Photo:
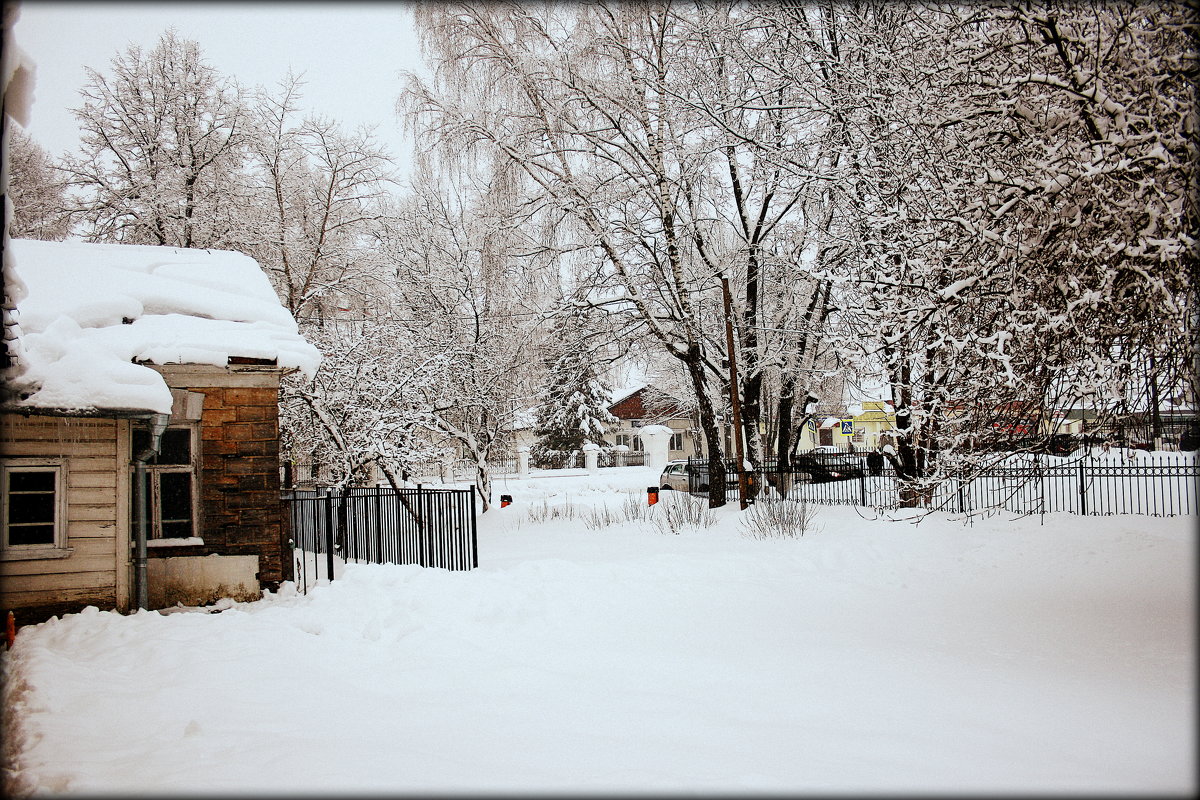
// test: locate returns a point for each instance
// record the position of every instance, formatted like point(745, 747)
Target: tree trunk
point(783, 434)
point(708, 424)
point(483, 485)
point(751, 417)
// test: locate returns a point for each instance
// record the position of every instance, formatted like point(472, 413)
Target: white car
point(675, 476)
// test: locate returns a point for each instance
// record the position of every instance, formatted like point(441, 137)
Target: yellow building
point(875, 419)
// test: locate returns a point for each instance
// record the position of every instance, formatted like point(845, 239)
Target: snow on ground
point(1010, 655)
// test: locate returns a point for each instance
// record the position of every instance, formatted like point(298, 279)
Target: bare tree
point(361, 411)
point(317, 193)
point(581, 103)
point(37, 191)
point(1015, 182)
point(471, 313)
point(160, 156)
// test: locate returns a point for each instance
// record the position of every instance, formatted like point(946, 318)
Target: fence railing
point(430, 527)
point(1155, 486)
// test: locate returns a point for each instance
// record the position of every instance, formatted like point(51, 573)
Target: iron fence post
point(422, 551)
point(862, 487)
point(474, 533)
point(1082, 489)
point(328, 498)
point(378, 526)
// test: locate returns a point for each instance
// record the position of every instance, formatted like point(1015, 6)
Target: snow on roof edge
point(94, 314)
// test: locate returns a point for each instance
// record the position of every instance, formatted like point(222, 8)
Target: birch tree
point(580, 101)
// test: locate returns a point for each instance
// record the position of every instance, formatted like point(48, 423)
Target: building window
point(637, 443)
point(623, 439)
point(170, 484)
point(676, 442)
point(34, 513)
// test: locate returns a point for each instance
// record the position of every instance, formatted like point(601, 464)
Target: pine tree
point(574, 409)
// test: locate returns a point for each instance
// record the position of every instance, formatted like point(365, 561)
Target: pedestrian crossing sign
point(847, 427)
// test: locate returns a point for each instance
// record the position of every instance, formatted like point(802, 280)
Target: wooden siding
point(96, 571)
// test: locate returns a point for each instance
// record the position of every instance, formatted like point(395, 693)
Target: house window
point(637, 443)
point(170, 484)
point(677, 441)
point(34, 514)
point(623, 439)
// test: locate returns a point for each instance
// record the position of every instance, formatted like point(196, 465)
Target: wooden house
point(127, 361)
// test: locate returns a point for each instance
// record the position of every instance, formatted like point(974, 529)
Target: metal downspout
point(158, 424)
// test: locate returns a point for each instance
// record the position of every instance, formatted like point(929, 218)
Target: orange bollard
point(10, 630)
point(505, 500)
point(652, 494)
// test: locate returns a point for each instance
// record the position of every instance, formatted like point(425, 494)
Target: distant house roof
point(875, 411)
point(649, 403)
point(87, 314)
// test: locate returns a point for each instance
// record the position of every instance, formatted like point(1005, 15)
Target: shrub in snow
point(633, 508)
point(543, 511)
point(772, 517)
point(676, 511)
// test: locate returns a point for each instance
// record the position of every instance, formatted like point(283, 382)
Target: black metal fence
point(430, 527)
point(630, 458)
point(1161, 486)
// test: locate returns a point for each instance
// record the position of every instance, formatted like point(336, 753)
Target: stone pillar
point(591, 457)
point(522, 461)
point(657, 441)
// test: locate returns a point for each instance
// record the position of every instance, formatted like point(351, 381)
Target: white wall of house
point(681, 445)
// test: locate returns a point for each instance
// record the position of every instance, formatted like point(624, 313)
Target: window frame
point(56, 549)
point(154, 473)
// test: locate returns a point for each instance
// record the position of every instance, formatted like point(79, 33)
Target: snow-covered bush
point(772, 517)
point(676, 511)
point(633, 508)
point(543, 511)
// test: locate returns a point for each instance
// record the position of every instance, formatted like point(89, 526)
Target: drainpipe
point(158, 424)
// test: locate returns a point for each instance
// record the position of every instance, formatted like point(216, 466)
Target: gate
point(380, 525)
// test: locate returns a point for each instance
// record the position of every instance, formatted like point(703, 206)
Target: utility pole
point(734, 405)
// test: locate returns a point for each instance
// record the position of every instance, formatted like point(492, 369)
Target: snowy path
point(867, 656)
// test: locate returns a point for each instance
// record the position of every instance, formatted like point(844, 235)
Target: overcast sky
point(350, 54)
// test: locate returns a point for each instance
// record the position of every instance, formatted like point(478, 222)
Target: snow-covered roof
point(90, 311)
